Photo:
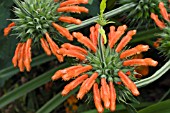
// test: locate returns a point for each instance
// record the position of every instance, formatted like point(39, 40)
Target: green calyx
point(34, 18)
point(109, 66)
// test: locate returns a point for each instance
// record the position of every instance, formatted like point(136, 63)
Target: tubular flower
point(103, 67)
point(162, 43)
point(37, 20)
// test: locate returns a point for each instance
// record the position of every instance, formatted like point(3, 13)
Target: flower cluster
point(103, 68)
point(36, 21)
point(141, 12)
point(163, 43)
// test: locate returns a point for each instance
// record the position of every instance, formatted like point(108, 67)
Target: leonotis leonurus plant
point(35, 22)
point(108, 69)
point(163, 43)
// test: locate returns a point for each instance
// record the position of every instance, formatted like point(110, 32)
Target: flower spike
point(40, 24)
point(162, 44)
point(107, 63)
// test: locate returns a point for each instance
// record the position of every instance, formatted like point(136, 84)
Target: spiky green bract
point(111, 65)
point(34, 18)
point(108, 68)
point(165, 41)
point(141, 13)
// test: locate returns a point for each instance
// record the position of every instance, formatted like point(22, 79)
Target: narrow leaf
point(29, 86)
point(54, 102)
point(162, 107)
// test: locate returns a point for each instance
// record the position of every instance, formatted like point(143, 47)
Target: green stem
point(100, 46)
point(155, 76)
point(106, 15)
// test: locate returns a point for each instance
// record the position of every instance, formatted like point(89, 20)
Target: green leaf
point(162, 107)
point(102, 7)
point(54, 102)
point(29, 86)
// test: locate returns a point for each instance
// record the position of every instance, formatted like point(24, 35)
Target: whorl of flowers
point(106, 69)
point(163, 43)
point(140, 14)
point(36, 20)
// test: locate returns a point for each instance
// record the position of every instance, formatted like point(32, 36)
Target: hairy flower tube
point(36, 20)
point(163, 43)
point(102, 68)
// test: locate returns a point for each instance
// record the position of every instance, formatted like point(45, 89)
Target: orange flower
point(22, 56)
point(140, 62)
point(40, 28)
point(8, 29)
point(74, 84)
point(74, 48)
point(107, 64)
point(69, 20)
point(85, 88)
point(159, 23)
point(84, 40)
point(156, 44)
point(73, 2)
point(128, 83)
point(106, 93)
point(120, 31)
point(73, 9)
point(136, 50)
point(164, 13)
point(97, 98)
point(112, 97)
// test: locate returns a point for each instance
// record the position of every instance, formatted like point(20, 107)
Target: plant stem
point(106, 15)
point(155, 76)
